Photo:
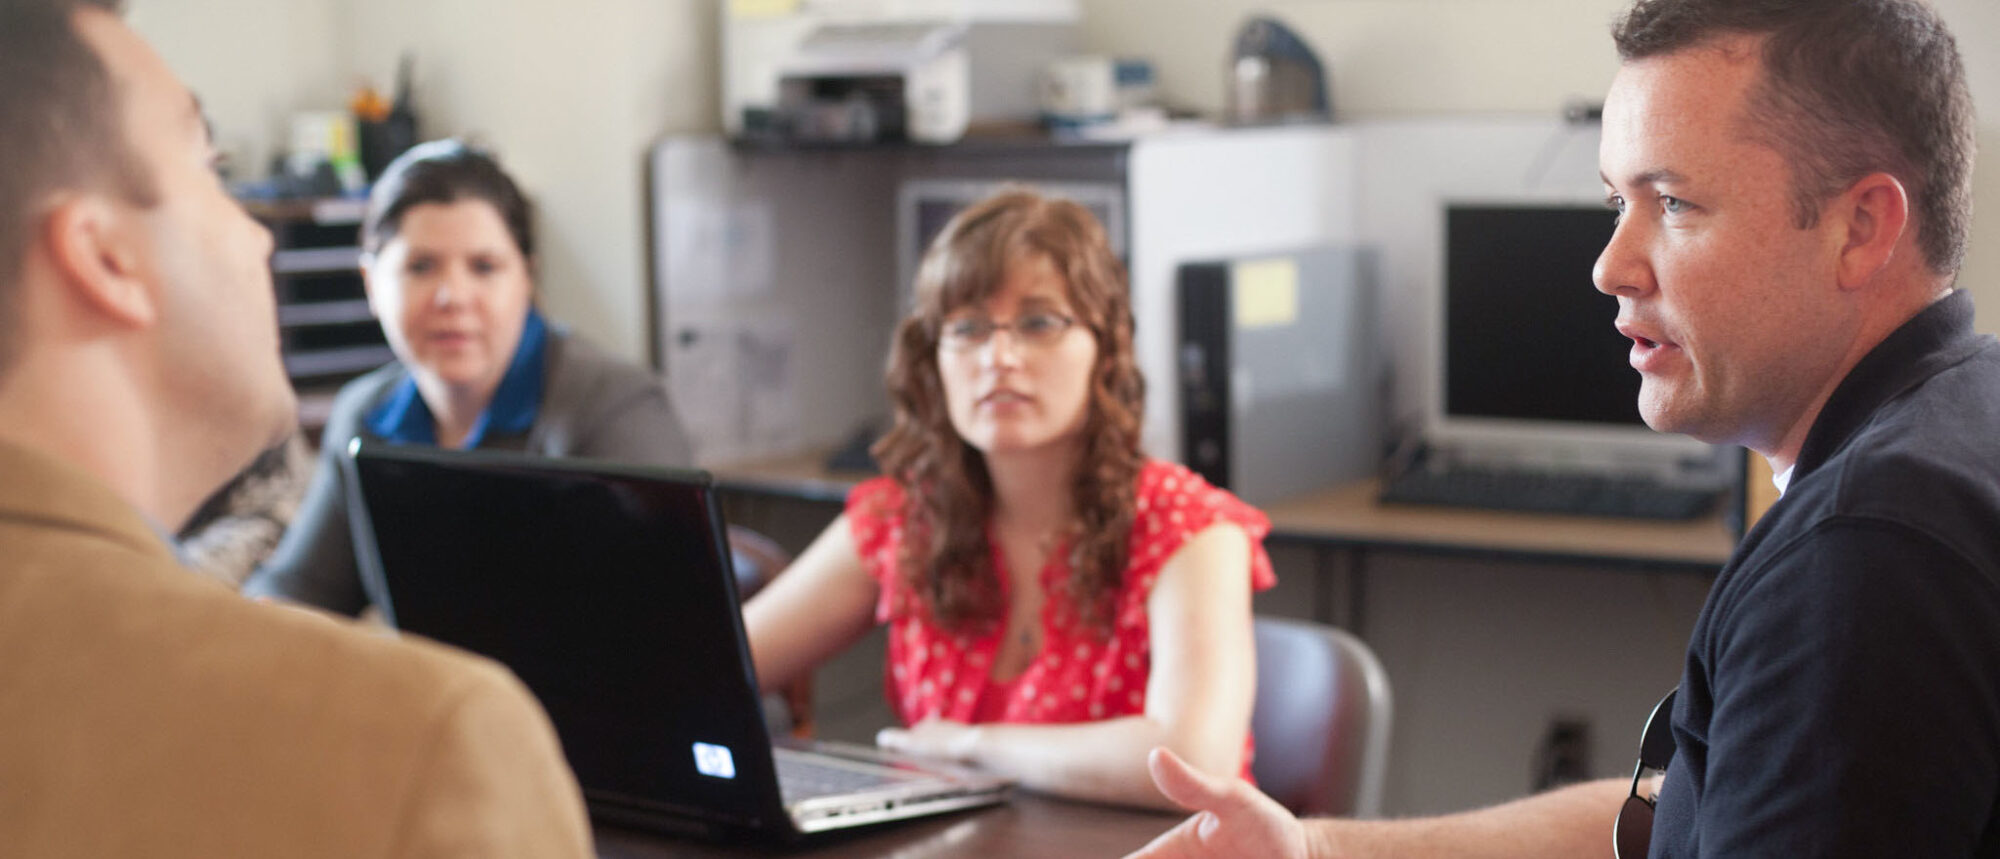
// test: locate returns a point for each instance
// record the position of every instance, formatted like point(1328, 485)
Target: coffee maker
point(1275, 78)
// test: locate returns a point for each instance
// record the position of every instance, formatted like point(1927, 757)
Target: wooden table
point(1027, 826)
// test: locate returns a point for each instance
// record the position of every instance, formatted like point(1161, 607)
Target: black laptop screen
point(606, 591)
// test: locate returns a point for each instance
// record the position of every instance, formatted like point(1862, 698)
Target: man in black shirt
point(1793, 184)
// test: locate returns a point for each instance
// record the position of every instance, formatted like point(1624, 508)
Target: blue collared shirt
point(403, 418)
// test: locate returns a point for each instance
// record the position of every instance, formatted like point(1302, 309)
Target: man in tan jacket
point(145, 711)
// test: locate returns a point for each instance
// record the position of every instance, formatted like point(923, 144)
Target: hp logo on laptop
point(713, 760)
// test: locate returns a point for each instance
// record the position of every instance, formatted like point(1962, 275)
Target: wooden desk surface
point(1025, 826)
point(801, 475)
point(1350, 515)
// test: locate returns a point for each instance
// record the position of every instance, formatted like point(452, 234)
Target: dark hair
point(948, 493)
point(1850, 87)
point(444, 171)
point(60, 127)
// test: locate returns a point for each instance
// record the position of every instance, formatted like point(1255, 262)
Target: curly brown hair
point(948, 494)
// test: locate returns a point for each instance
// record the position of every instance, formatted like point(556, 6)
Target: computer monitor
point(924, 206)
point(1531, 370)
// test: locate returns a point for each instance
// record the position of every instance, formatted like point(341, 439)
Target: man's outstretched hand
point(1231, 818)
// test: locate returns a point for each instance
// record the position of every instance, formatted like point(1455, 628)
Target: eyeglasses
point(1632, 832)
point(1038, 330)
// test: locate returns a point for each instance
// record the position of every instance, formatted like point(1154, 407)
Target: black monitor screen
point(932, 215)
point(1526, 335)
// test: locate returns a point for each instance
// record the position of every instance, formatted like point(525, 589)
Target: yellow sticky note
point(1267, 292)
point(762, 8)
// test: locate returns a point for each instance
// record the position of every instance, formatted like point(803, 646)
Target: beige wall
point(569, 94)
point(252, 62)
point(1417, 57)
point(1388, 57)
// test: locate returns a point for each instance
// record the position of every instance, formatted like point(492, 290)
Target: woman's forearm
point(1098, 761)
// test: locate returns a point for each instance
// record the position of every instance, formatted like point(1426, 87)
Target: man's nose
point(1623, 269)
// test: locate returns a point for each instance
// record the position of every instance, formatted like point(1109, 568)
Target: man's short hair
point(59, 128)
point(1851, 87)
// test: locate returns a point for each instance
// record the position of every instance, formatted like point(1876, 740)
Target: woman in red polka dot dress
point(1058, 603)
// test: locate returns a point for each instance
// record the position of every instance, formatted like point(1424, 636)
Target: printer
point(866, 71)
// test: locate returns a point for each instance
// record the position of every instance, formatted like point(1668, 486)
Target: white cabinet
point(776, 272)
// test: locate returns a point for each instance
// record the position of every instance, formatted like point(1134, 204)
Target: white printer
point(861, 71)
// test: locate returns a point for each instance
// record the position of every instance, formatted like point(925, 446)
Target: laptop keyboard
point(1548, 492)
point(802, 777)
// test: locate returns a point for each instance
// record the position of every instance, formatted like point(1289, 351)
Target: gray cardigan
point(593, 405)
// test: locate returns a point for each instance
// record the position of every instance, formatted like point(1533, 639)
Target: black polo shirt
point(1842, 689)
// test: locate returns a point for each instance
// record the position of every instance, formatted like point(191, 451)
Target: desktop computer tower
point(1281, 382)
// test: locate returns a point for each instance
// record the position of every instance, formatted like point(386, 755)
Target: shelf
point(328, 362)
point(991, 139)
point(315, 409)
point(316, 260)
point(324, 313)
point(325, 211)
point(329, 335)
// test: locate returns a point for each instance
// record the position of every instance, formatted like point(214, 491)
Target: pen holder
point(383, 140)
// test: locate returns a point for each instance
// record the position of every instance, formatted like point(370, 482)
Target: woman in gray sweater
point(448, 252)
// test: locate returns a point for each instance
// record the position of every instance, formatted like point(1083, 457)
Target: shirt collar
point(1936, 338)
point(47, 491)
point(403, 417)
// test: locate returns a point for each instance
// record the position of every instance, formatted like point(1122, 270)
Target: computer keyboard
point(803, 777)
point(1547, 492)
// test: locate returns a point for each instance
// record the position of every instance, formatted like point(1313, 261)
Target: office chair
point(1321, 719)
point(757, 560)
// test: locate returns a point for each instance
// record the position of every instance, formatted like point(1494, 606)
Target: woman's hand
point(933, 738)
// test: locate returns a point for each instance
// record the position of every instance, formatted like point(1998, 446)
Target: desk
point(1345, 524)
point(803, 476)
point(1349, 515)
point(1025, 826)
point(1348, 522)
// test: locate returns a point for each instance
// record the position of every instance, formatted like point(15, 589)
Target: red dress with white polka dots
point(1078, 676)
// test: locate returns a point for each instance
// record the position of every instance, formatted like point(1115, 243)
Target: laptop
point(608, 590)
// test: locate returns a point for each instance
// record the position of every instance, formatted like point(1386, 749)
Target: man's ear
point(1876, 211)
point(98, 250)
